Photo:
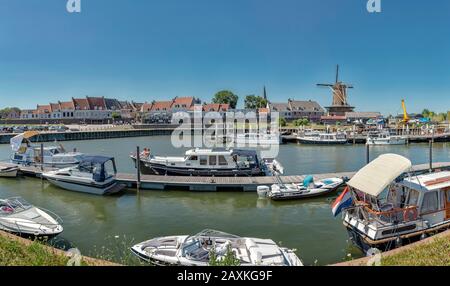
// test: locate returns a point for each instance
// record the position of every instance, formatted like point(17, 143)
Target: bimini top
point(17, 140)
point(378, 174)
point(86, 159)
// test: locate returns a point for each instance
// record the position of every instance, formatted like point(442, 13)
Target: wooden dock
point(211, 184)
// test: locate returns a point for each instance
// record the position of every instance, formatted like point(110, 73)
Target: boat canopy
point(86, 159)
point(17, 140)
point(378, 174)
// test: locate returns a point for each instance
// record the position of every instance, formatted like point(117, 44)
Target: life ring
point(410, 211)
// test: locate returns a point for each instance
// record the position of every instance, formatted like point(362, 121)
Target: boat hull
point(100, 189)
point(301, 195)
point(9, 173)
point(386, 142)
point(322, 142)
point(148, 168)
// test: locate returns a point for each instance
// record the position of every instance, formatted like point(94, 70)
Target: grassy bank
point(434, 253)
point(16, 251)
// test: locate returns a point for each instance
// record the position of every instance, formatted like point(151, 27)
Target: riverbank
point(433, 251)
point(17, 251)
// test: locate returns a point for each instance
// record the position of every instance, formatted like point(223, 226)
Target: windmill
point(339, 105)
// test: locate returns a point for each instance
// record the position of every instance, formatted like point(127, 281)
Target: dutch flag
point(342, 202)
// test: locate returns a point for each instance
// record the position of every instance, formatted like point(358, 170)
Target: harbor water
point(92, 222)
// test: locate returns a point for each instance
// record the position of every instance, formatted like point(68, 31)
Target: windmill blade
point(325, 84)
point(337, 73)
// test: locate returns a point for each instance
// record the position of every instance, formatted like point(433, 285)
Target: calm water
point(91, 222)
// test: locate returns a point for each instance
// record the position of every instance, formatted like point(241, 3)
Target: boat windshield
point(13, 205)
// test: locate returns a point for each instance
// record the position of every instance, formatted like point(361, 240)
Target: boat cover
point(17, 140)
point(378, 174)
point(95, 159)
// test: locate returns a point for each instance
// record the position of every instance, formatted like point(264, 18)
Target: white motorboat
point(94, 175)
point(323, 138)
point(389, 205)
point(25, 153)
point(218, 162)
point(19, 217)
point(254, 139)
point(8, 171)
point(384, 138)
point(195, 250)
point(307, 189)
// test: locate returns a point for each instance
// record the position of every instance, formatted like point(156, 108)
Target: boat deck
point(193, 183)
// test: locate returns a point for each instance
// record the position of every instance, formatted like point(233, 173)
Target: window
point(222, 161)
point(430, 202)
point(193, 158)
point(203, 160)
point(212, 160)
point(413, 198)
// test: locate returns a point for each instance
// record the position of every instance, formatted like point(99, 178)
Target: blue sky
point(148, 50)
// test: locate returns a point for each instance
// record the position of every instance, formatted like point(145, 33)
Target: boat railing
point(391, 215)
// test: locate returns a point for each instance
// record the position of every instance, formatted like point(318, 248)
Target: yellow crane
point(405, 114)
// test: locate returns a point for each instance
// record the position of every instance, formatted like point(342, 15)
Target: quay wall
point(91, 135)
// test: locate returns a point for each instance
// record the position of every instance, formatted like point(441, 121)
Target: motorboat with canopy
point(392, 205)
point(27, 153)
point(218, 162)
point(93, 175)
point(196, 250)
point(19, 217)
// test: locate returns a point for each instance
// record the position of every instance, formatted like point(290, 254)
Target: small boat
point(19, 217)
point(253, 139)
point(263, 192)
point(25, 153)
point(94, 175)
point(389, 205)
point(219, 162)
point(307, 189)
point(195, 250)
point(323, 138)
point(8, 171)
point(384, 138)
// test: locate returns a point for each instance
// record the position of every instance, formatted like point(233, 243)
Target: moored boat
point(196, 250)
point(19, 217)
point(307, 189)
point(384, 138)
point(323, 138)
point(390, 206)
point(218, 162)
point(26, 153)
point(8, 171)
point(94, 175)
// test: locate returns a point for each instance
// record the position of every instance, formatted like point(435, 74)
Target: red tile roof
point(67, 105)
point(263, 110)
point(146, 107)
point(81, 103)
point(55, 107)
point(97, 103)
point(41, 109)
point(183, 102)
point(161, 105)
point(215, 107)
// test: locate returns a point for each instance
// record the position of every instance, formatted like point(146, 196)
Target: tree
point(255, 102)
point(226, 97)
point(282, 122)
point(4, 113)
point(301, 122)
point(116, 115)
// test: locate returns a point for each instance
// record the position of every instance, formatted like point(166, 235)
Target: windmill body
point(339, 104)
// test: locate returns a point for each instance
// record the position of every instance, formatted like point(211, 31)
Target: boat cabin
point(392, 203)
point(101, 168)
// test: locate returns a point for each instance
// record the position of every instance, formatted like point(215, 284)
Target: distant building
point(361, 117)
point(298, 109)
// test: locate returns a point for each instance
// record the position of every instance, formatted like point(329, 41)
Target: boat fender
point(410, 214)
point(307, 181)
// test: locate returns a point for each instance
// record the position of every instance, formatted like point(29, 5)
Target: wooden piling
point(138, 168)
point(42, 157)
point(367, 154)
point(431, 156)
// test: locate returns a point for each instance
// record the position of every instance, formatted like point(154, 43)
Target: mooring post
point(354, 134)
point(431, 155)
point(42, 157)
point(138, 168)
point(367, 154)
